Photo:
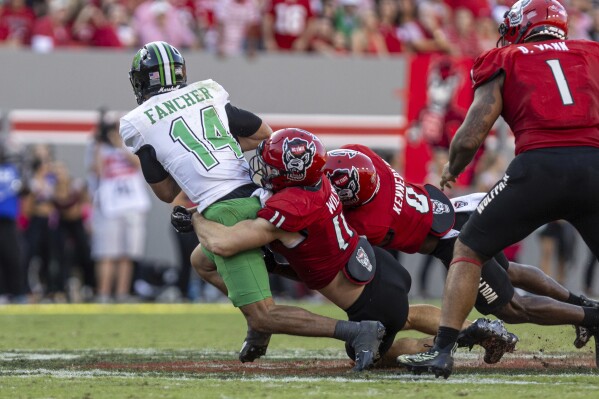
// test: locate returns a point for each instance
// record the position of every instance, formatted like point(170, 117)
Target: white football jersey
point(189, 131)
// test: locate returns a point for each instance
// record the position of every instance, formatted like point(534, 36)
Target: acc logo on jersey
point(346, 183)
point(362, 257)
point(297, 157)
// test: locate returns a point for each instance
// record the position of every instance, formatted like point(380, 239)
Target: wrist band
point(466, 259)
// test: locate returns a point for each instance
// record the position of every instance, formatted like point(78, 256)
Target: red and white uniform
point(400, 207)
point(556, 106)
point(316, 213)
point(290, 19)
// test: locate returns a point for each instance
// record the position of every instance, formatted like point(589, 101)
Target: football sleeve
point(284, 214)
point(131, 137)
point(486, 67)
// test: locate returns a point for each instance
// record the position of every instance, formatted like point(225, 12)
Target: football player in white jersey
point(189, 137)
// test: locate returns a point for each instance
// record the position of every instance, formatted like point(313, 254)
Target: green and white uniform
point(189, 131)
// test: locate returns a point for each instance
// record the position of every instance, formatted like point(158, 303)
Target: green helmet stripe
point(169, 52)
point(156, 51)
point(166, 62)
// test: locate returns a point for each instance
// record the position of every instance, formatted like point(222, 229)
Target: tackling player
point(190, 137)
point(303, 221)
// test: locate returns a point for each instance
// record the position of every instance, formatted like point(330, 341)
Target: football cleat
point(254, 346)
point(583, 335)
point(438, 362)
point(366, 344)
point(491, 335)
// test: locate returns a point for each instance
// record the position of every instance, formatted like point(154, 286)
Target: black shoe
point(366, 344)
point(438, 362)
point(254, 346)
point(583, 335)
point(589, 303)
point(491, 335)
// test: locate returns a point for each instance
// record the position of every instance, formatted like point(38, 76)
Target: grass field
point(190, 351)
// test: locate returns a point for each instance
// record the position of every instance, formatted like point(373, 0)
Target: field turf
point(190, 351)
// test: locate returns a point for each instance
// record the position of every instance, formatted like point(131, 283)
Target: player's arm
point(227, 241)
point(161, 182)
point(247, 127)
point(482, 114)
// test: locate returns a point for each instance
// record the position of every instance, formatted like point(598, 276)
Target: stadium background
point(54, 98)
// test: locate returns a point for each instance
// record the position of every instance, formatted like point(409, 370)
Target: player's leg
point(499, 221)
point(246, 279)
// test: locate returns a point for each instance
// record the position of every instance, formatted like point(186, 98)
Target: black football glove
point(181, 220)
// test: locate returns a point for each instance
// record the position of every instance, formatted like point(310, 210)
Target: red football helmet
point(353, 176)
point(290, 157)
point(530, 18)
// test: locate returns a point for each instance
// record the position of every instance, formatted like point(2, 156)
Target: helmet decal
point(297, 157)
point(164, 55)
point(515, 14)
point(347, 183)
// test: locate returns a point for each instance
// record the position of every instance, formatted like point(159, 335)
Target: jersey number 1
point(214, 134)
point(560, 80)
point(342, 230)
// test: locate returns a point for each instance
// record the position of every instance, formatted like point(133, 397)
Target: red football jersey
point(316, 213)
point(399, 206)
point(290, 20)
point(550, 93)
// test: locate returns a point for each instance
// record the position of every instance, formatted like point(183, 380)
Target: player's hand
point(181, 220)
point(447, 179)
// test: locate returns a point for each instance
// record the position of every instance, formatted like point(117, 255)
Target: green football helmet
point(157, 68)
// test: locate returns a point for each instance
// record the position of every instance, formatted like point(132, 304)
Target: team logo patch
point(439, 208)
point(362, 257)
point(347, 184)
point(459, 204)
point(297, 157)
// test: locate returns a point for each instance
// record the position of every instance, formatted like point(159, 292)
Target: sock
point(446, 338)
point(344, 330)
point(591, 317)
point(574, 299)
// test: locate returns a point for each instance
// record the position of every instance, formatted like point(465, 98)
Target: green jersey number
point(214, 134)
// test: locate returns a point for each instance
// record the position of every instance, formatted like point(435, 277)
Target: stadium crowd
point(233, 27)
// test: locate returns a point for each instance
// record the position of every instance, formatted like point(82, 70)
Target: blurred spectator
point(288, 25)
point(72, 202)
point(388, 11)
point(368, 39)
point(348, 20)
point(158, 20)
point(43, 272)
point(326, 40)
point(16, 23)
point(589, 274)
point(11, 188)
point(118, 217)
point(462, 34)
point(93, 28)
point(237, 26)
point(421, 37)
point(558, 241)
point(120, 18)
point(52, 30)
point(594, 31)
point(579, 20)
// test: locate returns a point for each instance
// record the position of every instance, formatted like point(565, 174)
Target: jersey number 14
point(214, 138)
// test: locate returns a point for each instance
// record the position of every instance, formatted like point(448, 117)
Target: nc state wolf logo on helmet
point(347, 184)
point(297, 157)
